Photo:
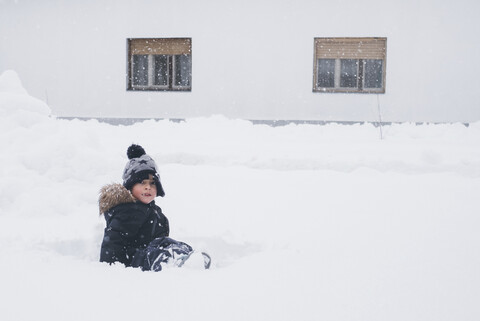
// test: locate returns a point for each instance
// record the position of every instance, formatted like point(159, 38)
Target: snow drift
point(303, 222)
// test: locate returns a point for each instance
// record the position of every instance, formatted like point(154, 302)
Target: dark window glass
point(161, 70)
point(140, 70)
point(183, 70)
point(373, 73)
point(326, 73)
point(348, 73)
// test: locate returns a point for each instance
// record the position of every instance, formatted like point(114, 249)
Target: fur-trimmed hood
point(112, 195)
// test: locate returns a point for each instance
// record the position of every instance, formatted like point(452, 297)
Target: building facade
point(259, 60)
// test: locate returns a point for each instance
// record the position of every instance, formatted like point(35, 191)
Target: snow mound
point(10, 82)
point(326, 222)
point(16, 105)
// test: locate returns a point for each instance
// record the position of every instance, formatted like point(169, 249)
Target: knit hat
point(139, 167)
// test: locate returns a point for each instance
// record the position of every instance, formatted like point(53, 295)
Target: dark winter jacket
point(131, 225)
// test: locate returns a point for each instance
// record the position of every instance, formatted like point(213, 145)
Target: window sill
point(348, 91)
point(158, 89)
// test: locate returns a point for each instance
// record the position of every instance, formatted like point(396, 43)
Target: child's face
point(146, 191)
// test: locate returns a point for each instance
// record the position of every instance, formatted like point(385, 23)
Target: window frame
point(152, 47)
point(359, 49)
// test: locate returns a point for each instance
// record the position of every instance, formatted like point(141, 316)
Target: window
point(163, 64)
point(351, 65)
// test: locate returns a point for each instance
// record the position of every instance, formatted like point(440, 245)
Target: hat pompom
point(135, 151)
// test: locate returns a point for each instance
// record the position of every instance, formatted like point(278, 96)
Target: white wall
point(251, 59)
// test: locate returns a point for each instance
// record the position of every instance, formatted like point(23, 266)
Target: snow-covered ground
point(303, 222)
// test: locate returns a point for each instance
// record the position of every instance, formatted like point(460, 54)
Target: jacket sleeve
point(116, 245)
point(163, 226)
point(113, 249)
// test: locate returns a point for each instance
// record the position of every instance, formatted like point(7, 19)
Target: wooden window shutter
point(350, 48)
point(160, 46)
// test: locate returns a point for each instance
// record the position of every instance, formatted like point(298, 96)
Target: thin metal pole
point(379, 117)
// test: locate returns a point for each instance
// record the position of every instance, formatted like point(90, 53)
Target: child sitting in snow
point(137, 231)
